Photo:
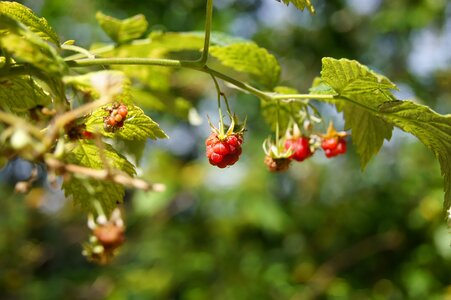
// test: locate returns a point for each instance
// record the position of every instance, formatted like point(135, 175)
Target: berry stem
point(221, 121)
point(227, 106)
point(277, 123)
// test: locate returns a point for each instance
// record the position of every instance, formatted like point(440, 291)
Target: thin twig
point(115, 176)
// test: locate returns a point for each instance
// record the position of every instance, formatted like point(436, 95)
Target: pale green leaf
point(287, 110)
point(137, 126)
point(301, 4)
point(359, 92)
point(431, 128)
point(26, 16)
point(251, 59)
point(123, 31)
point(84, 191)
point(21, 93)
point(368, 130)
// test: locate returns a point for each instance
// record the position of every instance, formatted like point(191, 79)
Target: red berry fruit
point(88, 135)
point(122, 110)
point(333, 146)
point(225, 152)
point(300, 148)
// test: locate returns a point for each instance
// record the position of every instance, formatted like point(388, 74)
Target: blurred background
point(323, 230)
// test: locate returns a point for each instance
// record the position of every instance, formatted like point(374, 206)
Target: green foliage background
point(242, 233)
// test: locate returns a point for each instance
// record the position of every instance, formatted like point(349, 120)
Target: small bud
point(20, 139)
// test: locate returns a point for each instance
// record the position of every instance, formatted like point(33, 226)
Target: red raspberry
point(88, 135)
point(122, 111)
point(333, 146)
point(300, 148)
point(225, 152)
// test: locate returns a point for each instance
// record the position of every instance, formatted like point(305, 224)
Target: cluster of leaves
point(40, 75)
point(36, 79)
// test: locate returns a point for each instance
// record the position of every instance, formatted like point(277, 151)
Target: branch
point(113, 175)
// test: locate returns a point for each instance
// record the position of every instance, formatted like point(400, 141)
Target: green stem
point(277, 123)
point(89, 62)
point(229, 111)
point(301, 96)
point(209, 16)
point(92, 52)
point(80, 50)
point(221, 122)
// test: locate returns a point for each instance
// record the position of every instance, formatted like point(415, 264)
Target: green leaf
point(26, 16)
point(301, 4)
point(162, 102)
point(431, 128)
point(26, 46)
point(21, 93)
point(251, 59)
point(86, 84)
point(123, 31)
point(287, 110)
point(359, 92)
point(84, 191)
point(137, 125)
point(371, 111)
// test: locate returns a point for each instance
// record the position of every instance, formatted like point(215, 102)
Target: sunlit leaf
point(83, 190)
point(123, 31)
point(21, 93)
point(26, 16)
point(251, 59)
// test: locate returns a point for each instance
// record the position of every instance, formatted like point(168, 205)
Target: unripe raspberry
point(118, 118)
point(109, 235)
point(277, 164)
point(122, 110)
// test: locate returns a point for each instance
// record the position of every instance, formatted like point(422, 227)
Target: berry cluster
point(295, 146)
point(223, 152)
point(116, 117)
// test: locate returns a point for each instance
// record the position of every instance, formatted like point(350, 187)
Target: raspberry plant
point(58, 109)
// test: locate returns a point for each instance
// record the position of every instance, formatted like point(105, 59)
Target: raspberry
point(333, 146)
point(109, 235)
point(225, 152)
point(88, 135)
point(116, 117)
point(300, 148)
point(277, 164)
point(122, 110)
